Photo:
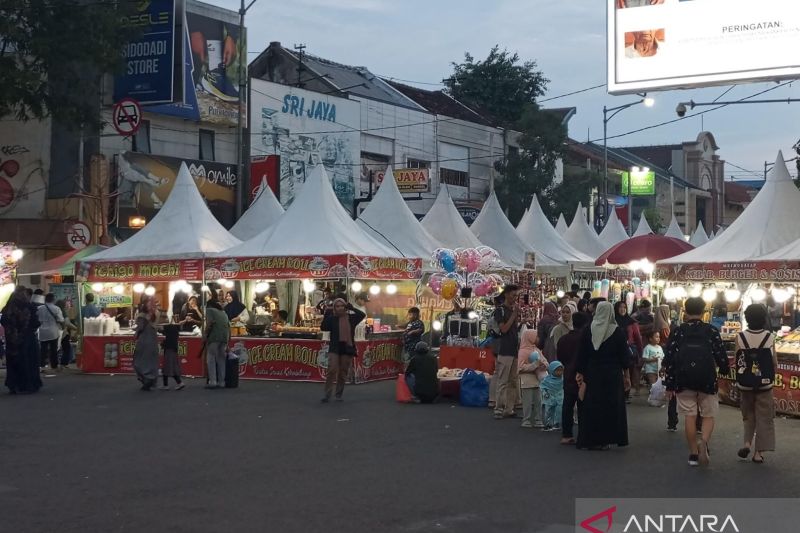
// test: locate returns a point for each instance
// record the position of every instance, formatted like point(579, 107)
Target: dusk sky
point(416, 41)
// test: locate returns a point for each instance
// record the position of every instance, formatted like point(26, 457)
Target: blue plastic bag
point(474, 389)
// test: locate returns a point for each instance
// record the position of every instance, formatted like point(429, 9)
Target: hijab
point(553, 385)
point(345, 331)
point(625, 320)
point(235, 307)
point(17, 317)
point(549, 313)
point(662, 318)
point(574, 309)
point(528, 342)
point(603, 325)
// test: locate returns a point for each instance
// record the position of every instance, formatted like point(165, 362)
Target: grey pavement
point(93, 453)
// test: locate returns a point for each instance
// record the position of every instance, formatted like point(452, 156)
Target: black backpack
point(754, 367)
point(695, 366)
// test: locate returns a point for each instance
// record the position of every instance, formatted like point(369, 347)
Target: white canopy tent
point(643, 228)
point(674, 230)
point(183, 228)
point(535, 230)
point(494, 229)
point(261, 214)
point(561, 224)
point(388, 220)
point(765, 226)
point(315, 224)
point(614, 232)
point(582, 237)
point(699, 237)
point(445, 225)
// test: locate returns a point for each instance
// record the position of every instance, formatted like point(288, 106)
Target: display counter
point(467, 357)
point(379, 357)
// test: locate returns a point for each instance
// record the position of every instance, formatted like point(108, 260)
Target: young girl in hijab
point(553, 396)
point(546, 323)
point(662, 323)
point(530, 363)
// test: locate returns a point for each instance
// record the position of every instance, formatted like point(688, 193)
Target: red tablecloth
point(467, 357)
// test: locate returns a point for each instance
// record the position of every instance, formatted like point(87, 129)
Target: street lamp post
point(648, 102)
point(240, 187)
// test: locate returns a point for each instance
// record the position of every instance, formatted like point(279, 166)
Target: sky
point(416, 41)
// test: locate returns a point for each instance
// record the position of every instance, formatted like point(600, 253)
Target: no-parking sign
point(127, 116)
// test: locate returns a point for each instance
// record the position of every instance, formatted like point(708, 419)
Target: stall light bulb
point(262, 287)
point(309, 286)
point(180, 283)
point(375, 290)
point(560, 294)
point(97, 287)
point(186, 288)
point(680, 292)
point(660, 283)
point(437, 325)
point(648, 267)
point(205, 288)
point(356, 286)
point(634, 265)
point(229, 284)
point(732, 295)
point(758, 295)
point(118, 289)
point(150, 291)
point(138, 288)
point(669, 294)
point(780, 295)
point(391, 288)
point(472, 315)
point(696, 291)
point(17, 254)
point(709, 295)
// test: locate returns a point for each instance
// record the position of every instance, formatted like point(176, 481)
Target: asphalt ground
point(93, 453)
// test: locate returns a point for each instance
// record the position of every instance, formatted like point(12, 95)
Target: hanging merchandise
point(465, 270)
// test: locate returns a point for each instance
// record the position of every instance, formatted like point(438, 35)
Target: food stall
point(9, 257)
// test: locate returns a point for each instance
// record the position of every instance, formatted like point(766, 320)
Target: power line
point(570, 94)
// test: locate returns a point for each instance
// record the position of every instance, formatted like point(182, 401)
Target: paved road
point(93, 453)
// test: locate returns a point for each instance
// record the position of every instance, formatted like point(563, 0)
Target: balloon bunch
point(464, 268)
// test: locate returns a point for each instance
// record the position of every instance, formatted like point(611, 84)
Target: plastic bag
point(401, 391)
point(658, 394)
point(474, 389)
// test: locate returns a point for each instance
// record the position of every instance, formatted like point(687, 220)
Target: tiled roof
point(660, 156)
point(438, 103)
point(736, 193)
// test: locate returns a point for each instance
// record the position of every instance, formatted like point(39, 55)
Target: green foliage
point(654, 219)
point(564, 197)
point(53, 52)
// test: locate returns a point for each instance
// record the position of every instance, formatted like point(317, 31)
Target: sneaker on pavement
point(538, 425)
point(694, 460)
point(163, 387)
point(672, 429)
point(180, 386)
point(526, 424)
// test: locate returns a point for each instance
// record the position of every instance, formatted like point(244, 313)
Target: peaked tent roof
point(327, 228)
point(674, 230)
point(561, 224)
point(711, 236)
point(535, 230)
point(183, 228)
point(445, 224)
point(644, 228)
point(261, 214)
point(493, 229)
point(699, 237)
point(766, 225)
point(388, 220)
point(582, 237)
point(614, 232)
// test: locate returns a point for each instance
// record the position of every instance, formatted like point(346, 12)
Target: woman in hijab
point(235, 309)
point(563, 327)
point(191, 315)
point(662, 323)
point(602, 361)
point(341, 324)
point(547, 323)
point(22, 348)
point(635, 345)
point(145, 354)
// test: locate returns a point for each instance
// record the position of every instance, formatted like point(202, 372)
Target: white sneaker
point(163, 387)
point(526, 424)
point(538, 425)
point(180, 386)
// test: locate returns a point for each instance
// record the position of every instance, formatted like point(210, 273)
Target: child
point(553, 396)
point(172, 364)
point(415, 328)
point(652, 356)
point(530, 363)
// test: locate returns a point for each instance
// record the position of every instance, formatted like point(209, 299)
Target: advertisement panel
point(641, 183)
point(409, 180)
point(114, 355)
point(145, 181)
point(106, 298)
point(283, 267)
point(265, 171)
point(786, 390)
point(143, 271)
point(149, 59)
point(670, 44)
point(8, 268)
point(363, 267)
point(24, 165)
point(767, 271)
point(214, 55)
point(305, 129)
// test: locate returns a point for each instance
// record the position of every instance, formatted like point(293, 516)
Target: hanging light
point(680, 292)
point(696, 291)
point(647, 267)
point(560, 294)
point(709, 295)
point(229, 284)
point(732, 295)
point(150, 291)
point(97, 287)
point(437, 325)
point(472, 315)
point(375, 289)
point(758, 294)
point(221, 282)
point(780, 295)
point(262, 287)
point(791, 290)
point(634, 265)
point(205, 288)
point(670, 294)
point(138, 288)
point(391, 288)
point(356, 286)
point(118, 289)
point(660, 283)
point(309, 286)
point(17, 254)
point(187, 288)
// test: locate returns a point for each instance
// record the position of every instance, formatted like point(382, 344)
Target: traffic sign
point(78, 235)
point(127, 116)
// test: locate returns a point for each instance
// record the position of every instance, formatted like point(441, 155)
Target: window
point(454, 177)
point(417, 163)
point(141, 139)
point(207, 145)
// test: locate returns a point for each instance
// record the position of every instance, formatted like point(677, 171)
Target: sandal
point(568, 441)
point(758, 461)
point(743, 453)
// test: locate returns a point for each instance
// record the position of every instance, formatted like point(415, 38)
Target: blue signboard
point(149, 60)
point(188, 109)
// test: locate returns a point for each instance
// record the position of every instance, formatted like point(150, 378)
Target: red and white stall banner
point(282, 267)
point(259, 358)
point(141, 271)
point(363, 267)
point(765, 271)
point(786, 390)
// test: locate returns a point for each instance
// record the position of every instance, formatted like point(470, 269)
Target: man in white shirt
point(50, 331)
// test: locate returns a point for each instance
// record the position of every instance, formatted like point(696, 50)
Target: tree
point(53, 53)
point(653, 218)
point(575, 188)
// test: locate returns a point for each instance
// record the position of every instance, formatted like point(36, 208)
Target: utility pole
point(241, 197)
point(301, 49)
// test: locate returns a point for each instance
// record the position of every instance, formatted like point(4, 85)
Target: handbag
point(59, 322)
point(401, 391)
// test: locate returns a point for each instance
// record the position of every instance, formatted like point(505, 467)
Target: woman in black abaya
point(22, 349)
point(602, 360)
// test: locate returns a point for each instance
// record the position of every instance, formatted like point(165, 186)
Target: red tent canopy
point(650, 247)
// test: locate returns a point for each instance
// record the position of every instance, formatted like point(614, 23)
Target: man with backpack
point(506, 348)
point(694, 356)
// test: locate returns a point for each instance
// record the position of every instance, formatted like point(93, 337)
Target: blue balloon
point(449, 263)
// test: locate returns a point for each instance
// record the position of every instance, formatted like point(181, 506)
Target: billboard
point(305, 129)
point(409, 180)
point(670, 44)
point(641, 183)
point(144, 182)
point(214, 54)
point(149, 59)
